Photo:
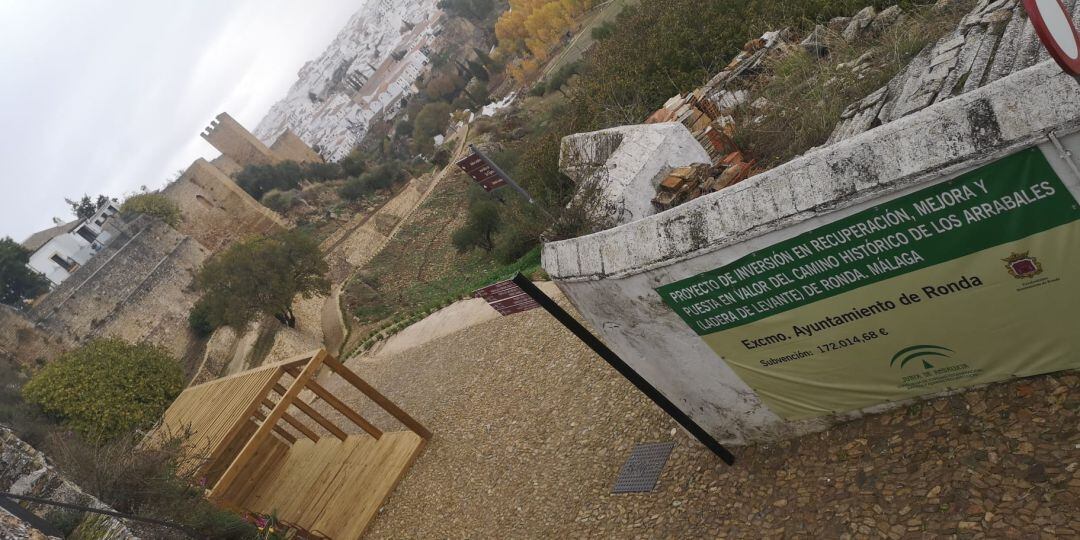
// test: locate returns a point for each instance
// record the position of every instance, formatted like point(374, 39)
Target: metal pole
point(502, 173)
point(623, 368)
point(509, 180)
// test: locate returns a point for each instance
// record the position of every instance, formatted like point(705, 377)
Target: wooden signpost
point(506, 298)
point(487, 174)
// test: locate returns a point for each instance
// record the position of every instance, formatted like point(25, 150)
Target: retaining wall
point(140, 288)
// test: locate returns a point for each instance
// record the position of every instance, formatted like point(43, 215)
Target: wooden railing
point(303, 371)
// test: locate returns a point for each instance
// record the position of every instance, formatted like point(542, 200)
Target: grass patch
point(433, 296)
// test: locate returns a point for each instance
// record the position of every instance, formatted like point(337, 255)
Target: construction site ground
point(531, 428)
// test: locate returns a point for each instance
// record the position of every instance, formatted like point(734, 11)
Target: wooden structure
point(256, 454)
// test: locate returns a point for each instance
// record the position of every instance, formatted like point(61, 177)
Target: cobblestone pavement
point(531, 429)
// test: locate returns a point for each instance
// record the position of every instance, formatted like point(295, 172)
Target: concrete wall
point(139, 288)
point(621, 167)
point(290, 147)
point(610, 276)
point(236, 142)
point(216, 211)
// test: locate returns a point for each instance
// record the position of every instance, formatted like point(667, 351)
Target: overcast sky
point(105, 96)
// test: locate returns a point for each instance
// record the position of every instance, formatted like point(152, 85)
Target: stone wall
point(992, 41)
point(216, 212)
point(226, 165)
point(23, 343)
point(236, 142)
point(26, 471)
point(140, 288)
point(610, 276)
point(290, 147)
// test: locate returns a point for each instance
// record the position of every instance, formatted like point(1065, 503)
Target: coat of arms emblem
point(1022, 265)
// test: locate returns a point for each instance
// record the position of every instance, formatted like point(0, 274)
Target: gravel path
point(531, 429)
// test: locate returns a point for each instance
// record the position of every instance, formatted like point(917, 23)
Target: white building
point(60, 251)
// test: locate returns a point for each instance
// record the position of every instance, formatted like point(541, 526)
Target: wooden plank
point(336, 487)
point(265, 430)
point(212, 414)
point(344, 409)
point(377, 397)
point(298, 425)
point(256, 402)
point(371, 478)
point(314, 415)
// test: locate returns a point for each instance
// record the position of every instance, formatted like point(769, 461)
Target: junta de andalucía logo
point(921, 352)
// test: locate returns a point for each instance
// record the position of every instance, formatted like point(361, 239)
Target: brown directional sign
point(506, 298)
point(482, 172)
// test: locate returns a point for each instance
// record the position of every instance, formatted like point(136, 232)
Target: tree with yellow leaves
point(535, 26)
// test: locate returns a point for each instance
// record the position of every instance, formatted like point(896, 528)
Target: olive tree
point(262, 276)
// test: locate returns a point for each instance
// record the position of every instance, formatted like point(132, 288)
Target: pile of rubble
point(708, 112)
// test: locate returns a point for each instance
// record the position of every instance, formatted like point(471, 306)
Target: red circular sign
point(1055, 28)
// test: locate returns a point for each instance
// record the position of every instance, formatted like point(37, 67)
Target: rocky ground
point(531, 429)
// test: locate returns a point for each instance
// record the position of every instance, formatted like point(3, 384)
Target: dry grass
point(806, 95)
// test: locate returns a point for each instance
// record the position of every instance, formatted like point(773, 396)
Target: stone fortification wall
point(236, 142)
point(290, 147)
point(23, 343)
point(226, 165)
point(216, 212)
point(610, 276)
point(139, 288)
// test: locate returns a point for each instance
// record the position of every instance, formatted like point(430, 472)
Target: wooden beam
point(375, 396)
point(277, 429)
point(344, 409)
point(265, 430)
point(314, 415)
point(298, 425)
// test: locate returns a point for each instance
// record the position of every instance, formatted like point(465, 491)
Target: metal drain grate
point(642, 470)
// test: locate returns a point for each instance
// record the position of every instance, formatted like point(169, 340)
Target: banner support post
point(623, 368)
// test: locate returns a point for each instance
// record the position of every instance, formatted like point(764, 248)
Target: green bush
point(355, 189)
point(18, 283)
point(441, 157)
point(353, 164)
point(279, 201)
point(538, 89)
point(479, 230)
point(561, 76)
point(321, 172)
point(199, 320)
point(107, 387)
point(513, 242)
point(258, 180)
point(152, 204)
